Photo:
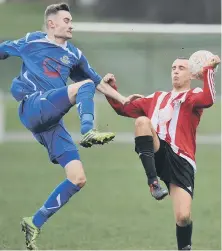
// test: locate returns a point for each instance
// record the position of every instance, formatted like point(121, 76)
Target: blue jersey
point(46, 65)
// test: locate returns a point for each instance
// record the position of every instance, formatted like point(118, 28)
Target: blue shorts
point(42, 114)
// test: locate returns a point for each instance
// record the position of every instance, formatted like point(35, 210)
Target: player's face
point(63, 25)
point(180, 73)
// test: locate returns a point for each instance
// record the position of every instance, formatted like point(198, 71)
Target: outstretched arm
point(206, 97)
point(84, 71)
point(135, 108)
point(11, 48)
point(102, 84)
point(112, 93)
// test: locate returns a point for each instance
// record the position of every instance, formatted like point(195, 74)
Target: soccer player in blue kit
point(48, 61)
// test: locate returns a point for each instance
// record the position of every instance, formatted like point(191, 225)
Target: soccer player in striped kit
point(165, 138)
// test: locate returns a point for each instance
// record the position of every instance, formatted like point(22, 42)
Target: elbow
point(125, 114)
point(3, 56)
point(209, 100)
point(120, 113)
point(212, 101)
point(209, 103)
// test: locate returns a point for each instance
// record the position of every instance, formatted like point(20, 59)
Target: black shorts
point(171, 168)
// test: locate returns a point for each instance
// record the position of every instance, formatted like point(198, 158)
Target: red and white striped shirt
point(174, 115)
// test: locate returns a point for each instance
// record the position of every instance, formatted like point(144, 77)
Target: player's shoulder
point(158, 94)
point(76, 51)
point(36, 35)
point(150, 96)
point(194, 91)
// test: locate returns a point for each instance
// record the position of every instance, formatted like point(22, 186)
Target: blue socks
point(86, 123)
point(59, 197)
point(85, 106)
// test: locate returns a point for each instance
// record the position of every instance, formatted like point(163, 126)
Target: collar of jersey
point(174, 92)
point(53, 42)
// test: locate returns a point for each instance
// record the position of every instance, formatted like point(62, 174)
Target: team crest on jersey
point(65, 59)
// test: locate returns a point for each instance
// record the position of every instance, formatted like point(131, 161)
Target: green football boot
point(31, 233)
point(94, 137)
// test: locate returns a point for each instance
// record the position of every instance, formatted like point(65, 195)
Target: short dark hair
point(54, 8)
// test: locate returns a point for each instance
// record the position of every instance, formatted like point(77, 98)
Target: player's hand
point(109, 78)
point(212, 62)
point(132, 98)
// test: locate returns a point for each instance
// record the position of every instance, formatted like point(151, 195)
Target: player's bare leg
point(182, 211)
point(146, 143)
point(75, 173)
point(82, 94)
point(73, 90)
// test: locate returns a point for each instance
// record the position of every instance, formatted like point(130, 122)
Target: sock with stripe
point(58, 198)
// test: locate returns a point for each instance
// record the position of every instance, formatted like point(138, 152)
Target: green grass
point(113, 211)
point(107, 119)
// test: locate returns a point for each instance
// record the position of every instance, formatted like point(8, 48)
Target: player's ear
point(51, 24)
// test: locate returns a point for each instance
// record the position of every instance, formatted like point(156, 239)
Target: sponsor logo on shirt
point(65, 59)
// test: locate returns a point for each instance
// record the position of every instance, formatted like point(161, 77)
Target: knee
point(81, 181)
point(75, 172)
point(143, 121)
point(183, 219)
point(84, 86)
point(78, 180)
point(87, 90)
point(74, 88)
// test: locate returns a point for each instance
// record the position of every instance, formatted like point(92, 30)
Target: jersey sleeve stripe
point(211, 84)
